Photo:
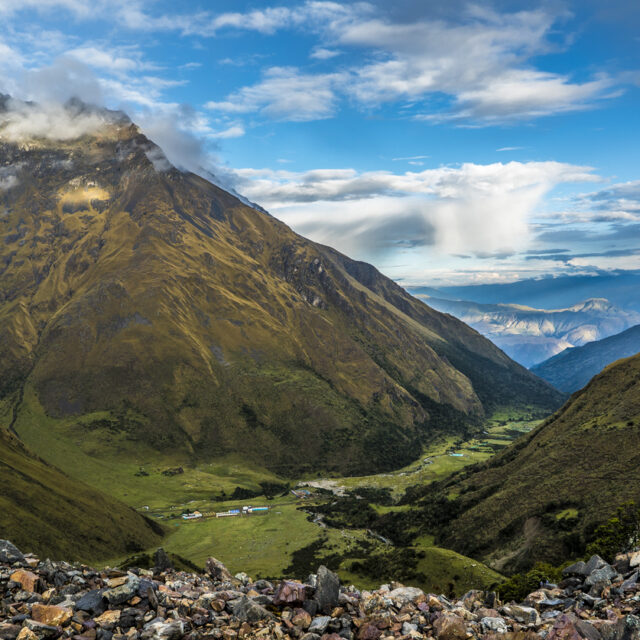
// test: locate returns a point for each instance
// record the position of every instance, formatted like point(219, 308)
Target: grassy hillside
point(541, 498)
point(157, 310)
point(44, 511)
point(573, 368)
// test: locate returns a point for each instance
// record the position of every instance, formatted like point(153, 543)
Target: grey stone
point(168, 630)
point(310, 636)
point(525, 615)
point(9, 631)
point(595, 562)
point(602, 575)
point(247, 610)
point(404, 595)
point(262, 585)
point(327, 590)
point(497, 625)
point(630, 628)
point(576, 569)
point(217, 570)
point(587, 630)
point(319, 624)
point(311, 607)
point(92, 602)
point(121, 594)
point(408, 627)
point(40, 629)
point(9, 553)
point(161, 561)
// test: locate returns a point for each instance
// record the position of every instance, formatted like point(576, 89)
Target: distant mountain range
point(530, 335)
point(619, 287)
point(571, 369)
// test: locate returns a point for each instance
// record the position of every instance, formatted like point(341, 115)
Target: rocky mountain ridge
point(571, 369)
point(144, 305)
point(50, 600)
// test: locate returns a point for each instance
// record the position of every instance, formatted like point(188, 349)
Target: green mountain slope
point(45, 511)
point(573, 368)
point(541, 498)
point(200, 325)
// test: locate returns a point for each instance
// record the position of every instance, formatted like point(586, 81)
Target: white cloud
point(285, 94)
point(111, 59)
point(619, 201)
point(321, 53)
point(482, 63)
point(8, 178)
point(22, 121)
point(470, 208)
point(234, 131)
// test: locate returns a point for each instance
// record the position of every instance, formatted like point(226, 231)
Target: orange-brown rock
point(450, 627)
point(27, 579)
point(51, 615)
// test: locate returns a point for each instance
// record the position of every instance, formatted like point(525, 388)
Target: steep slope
point(202, 325)
point(532, 335)
point(571, 369)
point(55, 516)
point(541, 497)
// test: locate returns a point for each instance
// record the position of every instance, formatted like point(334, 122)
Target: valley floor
point(286, 540)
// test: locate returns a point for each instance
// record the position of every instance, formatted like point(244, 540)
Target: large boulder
point(450, 627)
point(9, 553)
point(92, 602)
point(247, 610)
point(124, 592)
point(218, 571)
point(51, 615)
point(327, 590)
point(289, 593)
point(161, 561)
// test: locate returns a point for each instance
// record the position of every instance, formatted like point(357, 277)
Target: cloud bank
point(470, 208)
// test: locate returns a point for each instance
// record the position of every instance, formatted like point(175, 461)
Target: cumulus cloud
point(476, 208)
point(285, 94)
point(480, 60)
point(322, 53)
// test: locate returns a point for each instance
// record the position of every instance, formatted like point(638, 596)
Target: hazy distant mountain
point(620, 288)
point(530, 335)
point(571, 369)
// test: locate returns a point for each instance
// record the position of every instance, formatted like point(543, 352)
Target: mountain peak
point(592, 304)
point(205, 327)
point(24, 122)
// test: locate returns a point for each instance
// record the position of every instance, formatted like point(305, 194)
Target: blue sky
point(446, 142)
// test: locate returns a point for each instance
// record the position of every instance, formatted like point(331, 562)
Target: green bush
point(618, 534)
point(520, 585)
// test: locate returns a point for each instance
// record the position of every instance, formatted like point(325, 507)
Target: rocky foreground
point(45, 599)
